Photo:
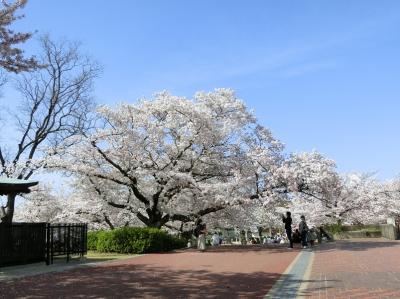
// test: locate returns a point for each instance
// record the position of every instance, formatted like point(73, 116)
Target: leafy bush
point(334, 228)
point(368, 227)
point(340, 231)
point(186, 235)
point(92, 238)
point(134, 240)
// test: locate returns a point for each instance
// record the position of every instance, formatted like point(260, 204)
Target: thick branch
point(133, 180)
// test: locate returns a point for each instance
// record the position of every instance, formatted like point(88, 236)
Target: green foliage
point(134, 240)
point(368, 227)
point(336, 228)
point(92, 240)
point(353, 231)
point(187, 235)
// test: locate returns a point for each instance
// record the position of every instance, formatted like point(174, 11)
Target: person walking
point(303, 228)
point(288, 227)
point(200, 232)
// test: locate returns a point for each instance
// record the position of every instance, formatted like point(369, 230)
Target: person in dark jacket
point(296, 236)
point(288, 227)
point(303, 228)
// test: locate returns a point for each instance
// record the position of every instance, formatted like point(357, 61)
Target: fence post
point(81, 242)
point(48, 244)
point(85, 239)
point(68, 241)
point(51, 244)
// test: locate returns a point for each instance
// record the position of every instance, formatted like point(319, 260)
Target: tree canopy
point(11, 56)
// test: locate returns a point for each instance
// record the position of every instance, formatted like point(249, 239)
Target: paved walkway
point(361, 268)
point(225, 272)
point(13, 272)
point(59, 265)
point(294, 278)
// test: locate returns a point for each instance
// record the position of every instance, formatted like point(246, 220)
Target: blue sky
point(321, 75)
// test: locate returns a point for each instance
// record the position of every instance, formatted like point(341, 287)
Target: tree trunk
point(8, 215)
point(154, 218)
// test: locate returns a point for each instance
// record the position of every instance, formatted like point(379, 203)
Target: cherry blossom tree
point(259, 212)
point(363, 203)
point(177, 159)
point(324, 196)
point(41, 205)
point(11, 57)
point(89, 202)
point(388, 199)
point(85, 204)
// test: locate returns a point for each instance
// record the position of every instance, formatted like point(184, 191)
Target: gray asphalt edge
point(4, 276)
point(294, 278)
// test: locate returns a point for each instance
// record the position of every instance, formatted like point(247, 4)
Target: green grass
point(95, 255)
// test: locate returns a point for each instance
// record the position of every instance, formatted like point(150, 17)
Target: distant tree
point(323, 195)
point(56, 106)
point(388, 197)
point(41, 205)
point(84, 204)
point(11, 57)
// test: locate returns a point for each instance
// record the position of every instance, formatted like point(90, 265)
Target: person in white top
point(215, 239)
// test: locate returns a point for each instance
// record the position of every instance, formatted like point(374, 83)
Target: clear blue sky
point(322, 75)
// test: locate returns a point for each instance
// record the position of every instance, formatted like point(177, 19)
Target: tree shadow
point(357, 245)
point(290, 287)
point(273, 248)
point(147, 281)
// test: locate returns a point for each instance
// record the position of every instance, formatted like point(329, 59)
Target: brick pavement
point(225, 272)
point(361, 268)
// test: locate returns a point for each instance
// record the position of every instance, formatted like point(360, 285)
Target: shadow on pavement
point(144, 281)
point(273, 248)
point(290, 289)
point(357, 245)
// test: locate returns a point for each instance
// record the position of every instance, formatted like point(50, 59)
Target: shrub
point(92, 240)
point(361, 227)
point(135, 240)
point(334, 228)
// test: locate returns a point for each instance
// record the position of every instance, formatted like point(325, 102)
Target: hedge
point(335, 228)
point(133, 240)
point(92, 238)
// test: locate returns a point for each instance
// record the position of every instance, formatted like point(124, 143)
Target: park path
point(224, 272)
point(361, 268)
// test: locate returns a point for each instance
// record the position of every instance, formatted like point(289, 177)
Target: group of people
point(278, 239)
point(303, 233)
point(216, 239)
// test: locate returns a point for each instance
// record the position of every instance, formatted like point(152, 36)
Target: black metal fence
point(22, 243)
point(66, 239)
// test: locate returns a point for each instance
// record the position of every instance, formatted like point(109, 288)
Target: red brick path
point(356, 269)
point(228, 272)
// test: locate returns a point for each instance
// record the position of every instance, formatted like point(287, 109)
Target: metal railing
point(66, 239)
point(22, 243)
